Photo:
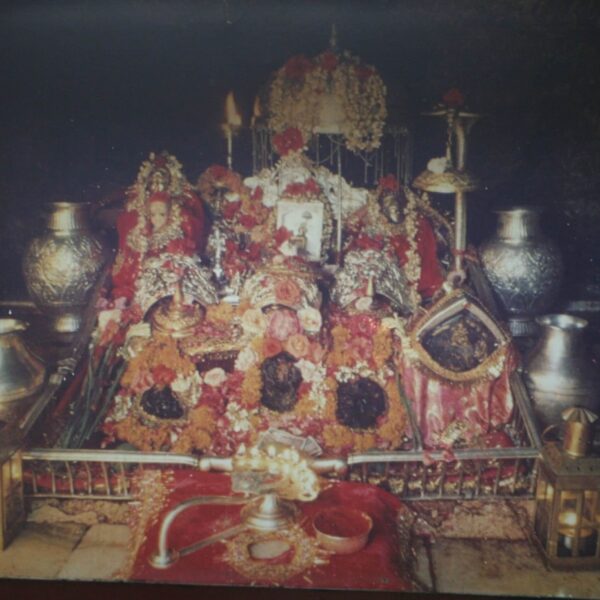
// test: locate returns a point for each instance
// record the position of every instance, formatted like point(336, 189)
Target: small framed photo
point(305, 221)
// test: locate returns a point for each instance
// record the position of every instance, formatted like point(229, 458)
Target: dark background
point(90, 88)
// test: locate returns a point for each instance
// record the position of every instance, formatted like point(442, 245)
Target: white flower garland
point(345, 374)
point(294, 103)
point(412, 268)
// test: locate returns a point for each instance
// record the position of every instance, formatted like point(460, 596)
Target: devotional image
point(303, 374)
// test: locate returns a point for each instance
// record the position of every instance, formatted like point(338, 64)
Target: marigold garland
point(195, 435)
point(144, 438)
point(220, 313)
point(251, 388)
point(395, 424)
point(159, 352)
point(382, 347)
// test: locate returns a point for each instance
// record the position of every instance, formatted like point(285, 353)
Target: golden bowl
point(342, 530)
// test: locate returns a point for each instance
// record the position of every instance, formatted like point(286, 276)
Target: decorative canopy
point(332, 93)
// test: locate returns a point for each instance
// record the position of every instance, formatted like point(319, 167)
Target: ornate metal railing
point(411, 475)
point(462, 473)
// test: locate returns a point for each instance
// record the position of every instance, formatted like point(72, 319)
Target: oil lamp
point(12, 505)
point(566, 523)
point(448, 175)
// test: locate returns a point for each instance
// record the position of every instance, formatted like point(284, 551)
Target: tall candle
point(233, 121)
point(232, 116)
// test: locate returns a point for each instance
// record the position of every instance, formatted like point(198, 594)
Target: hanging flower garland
point(301, 86)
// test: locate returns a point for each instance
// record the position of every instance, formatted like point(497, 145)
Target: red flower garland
point(328, 61)
point(389, 183)
point(363, 72)
point(163, 375)
point(288, 141)
point(282, 235)
point(453, 98)
point(297, 67)
point(308, 188)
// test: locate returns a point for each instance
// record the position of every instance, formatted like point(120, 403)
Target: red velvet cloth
point(374, 567)
point(431, 275)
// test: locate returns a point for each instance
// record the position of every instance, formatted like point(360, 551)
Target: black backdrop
point(90, 88)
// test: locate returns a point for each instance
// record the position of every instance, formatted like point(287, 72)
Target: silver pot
point(559, 372)
point(524, 268)
point(62, 266)
point(21, 373)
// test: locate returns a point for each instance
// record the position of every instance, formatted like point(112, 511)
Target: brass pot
point(61, 266)
point(21, 373)
point(337, 540)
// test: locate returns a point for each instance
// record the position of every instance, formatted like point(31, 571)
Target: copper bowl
point(342, 530)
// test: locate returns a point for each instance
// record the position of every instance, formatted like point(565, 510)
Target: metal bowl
point(342, 530)
point(21, 373)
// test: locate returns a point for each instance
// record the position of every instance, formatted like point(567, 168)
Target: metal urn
point(63, 264)
point(21, 373)
point(559, 371)
point(524, 268)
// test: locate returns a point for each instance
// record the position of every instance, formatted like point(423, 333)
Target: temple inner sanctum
point(343, 354)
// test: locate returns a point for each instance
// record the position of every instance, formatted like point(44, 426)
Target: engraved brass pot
point(61, 266)
point(21, 373)
point(524, 268)
point(559, 372)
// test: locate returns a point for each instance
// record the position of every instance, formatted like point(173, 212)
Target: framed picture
point(305, 221)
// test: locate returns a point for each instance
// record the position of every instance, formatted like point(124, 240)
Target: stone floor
point(464, 548)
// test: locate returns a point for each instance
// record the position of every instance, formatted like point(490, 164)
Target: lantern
point(12, 506)
point(567, 501)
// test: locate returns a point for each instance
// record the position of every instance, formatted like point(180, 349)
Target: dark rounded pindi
point(360, 403)
point(281, 379)
point(161, 403)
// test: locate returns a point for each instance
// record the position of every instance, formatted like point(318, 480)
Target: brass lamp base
point(164, 561)
point(265, 514)
point(449, 182)
point(269, 513)
point(67, 322)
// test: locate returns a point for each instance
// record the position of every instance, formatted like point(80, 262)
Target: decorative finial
point(178, 294)
point(333, 42)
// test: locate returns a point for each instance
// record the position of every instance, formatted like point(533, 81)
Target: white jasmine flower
point(310, 319)
point(215, 377)
point(245, 359)
point(438, 165)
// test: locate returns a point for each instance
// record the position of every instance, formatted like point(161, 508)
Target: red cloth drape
point(375, 567)
point(431, 275)
point(482, 405)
